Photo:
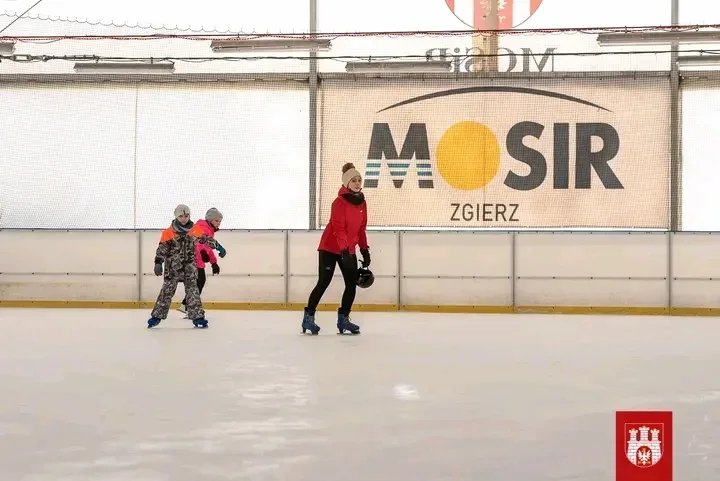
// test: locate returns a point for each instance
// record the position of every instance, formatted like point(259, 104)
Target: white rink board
point(303, 268)
point(412, 268)
point(591, 269)
point(696, 269)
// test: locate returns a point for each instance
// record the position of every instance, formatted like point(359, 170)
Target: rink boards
point(439, 271)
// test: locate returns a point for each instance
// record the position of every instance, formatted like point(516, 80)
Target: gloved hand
point(204, 256)
point(347, 259)
point(365, 257)
point(221, 251)
point(215, 269)
point(158, 269)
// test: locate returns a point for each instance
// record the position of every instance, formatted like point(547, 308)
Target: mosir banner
point(485, 153)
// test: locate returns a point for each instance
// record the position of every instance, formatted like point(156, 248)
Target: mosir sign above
point(576, 153)
point(510, 61)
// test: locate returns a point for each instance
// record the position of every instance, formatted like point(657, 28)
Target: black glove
point(365, 257)
point(158, 269)
point(347, 259)
point(204, 256)
point(215, 268)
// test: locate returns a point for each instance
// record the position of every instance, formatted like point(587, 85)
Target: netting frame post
point(675, 128)
point(312, 123)
point(513, 270)
point(139, 266)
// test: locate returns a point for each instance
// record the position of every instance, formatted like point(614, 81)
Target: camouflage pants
point(187, 276)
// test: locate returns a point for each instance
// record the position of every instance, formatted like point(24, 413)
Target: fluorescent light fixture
point(270, 44)
point(656, 38)
point(125, 67)
point(425, 66)
point(7, 47)
point(699, 61)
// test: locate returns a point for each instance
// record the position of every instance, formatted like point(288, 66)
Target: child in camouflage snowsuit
point(177, 251)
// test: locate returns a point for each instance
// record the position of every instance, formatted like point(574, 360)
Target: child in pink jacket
point(204, 253)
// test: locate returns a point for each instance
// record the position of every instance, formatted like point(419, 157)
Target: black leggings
point(200, 283)
point(326, 269)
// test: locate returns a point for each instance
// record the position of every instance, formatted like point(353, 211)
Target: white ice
point(93, 395)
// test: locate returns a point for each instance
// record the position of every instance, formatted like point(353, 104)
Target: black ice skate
point(344, 324)
point(152, 322)
point(308, 323)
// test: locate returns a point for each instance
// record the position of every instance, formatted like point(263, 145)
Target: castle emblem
point(644, 445)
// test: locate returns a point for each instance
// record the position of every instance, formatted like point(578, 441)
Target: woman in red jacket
point(345, 231)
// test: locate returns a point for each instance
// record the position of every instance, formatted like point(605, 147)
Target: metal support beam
point(399, 235)
point(286, 272)
point(513, 269)
point(675, 129)
point(313, 127)
point(669, 271)
point(140, 266)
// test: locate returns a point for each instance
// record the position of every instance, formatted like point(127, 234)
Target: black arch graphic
point(515, 90)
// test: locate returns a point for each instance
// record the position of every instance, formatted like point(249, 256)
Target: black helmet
point(365, 278)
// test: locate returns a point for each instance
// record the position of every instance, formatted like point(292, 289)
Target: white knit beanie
point(181, 209)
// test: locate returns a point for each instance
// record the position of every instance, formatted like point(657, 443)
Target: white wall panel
point(455, 254)
point(591, 292)
point(696, 293)
point(303, 268)
point(257, 253)
point(438, 269)
point(40, 287)
point(245, 289)
point(251, 272)
point(79, 252)
point(696, 255)
point(383, 253)
point(231, 288)
point(303, 253)
point(384, 291)
point(591, 255)
point(149, 240)
point(696, 269)
point(456, 292)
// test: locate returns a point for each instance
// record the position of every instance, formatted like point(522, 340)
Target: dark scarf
point(180, 229)
point(355, 198)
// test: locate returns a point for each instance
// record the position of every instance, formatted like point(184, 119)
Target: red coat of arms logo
point(644, 444)
point(510, 13)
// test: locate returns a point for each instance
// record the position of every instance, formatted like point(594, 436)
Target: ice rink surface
point(92, 395)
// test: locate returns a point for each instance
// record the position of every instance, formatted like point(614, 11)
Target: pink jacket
point(207, 229)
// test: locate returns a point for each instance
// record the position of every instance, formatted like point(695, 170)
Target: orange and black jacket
point(177, 250)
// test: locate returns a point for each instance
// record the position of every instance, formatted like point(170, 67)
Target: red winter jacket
point(347, 226)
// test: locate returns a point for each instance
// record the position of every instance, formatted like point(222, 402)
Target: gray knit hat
point(213, 213)
point(181, 209)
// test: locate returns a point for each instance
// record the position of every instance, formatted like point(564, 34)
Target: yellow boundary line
point(447, 309)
